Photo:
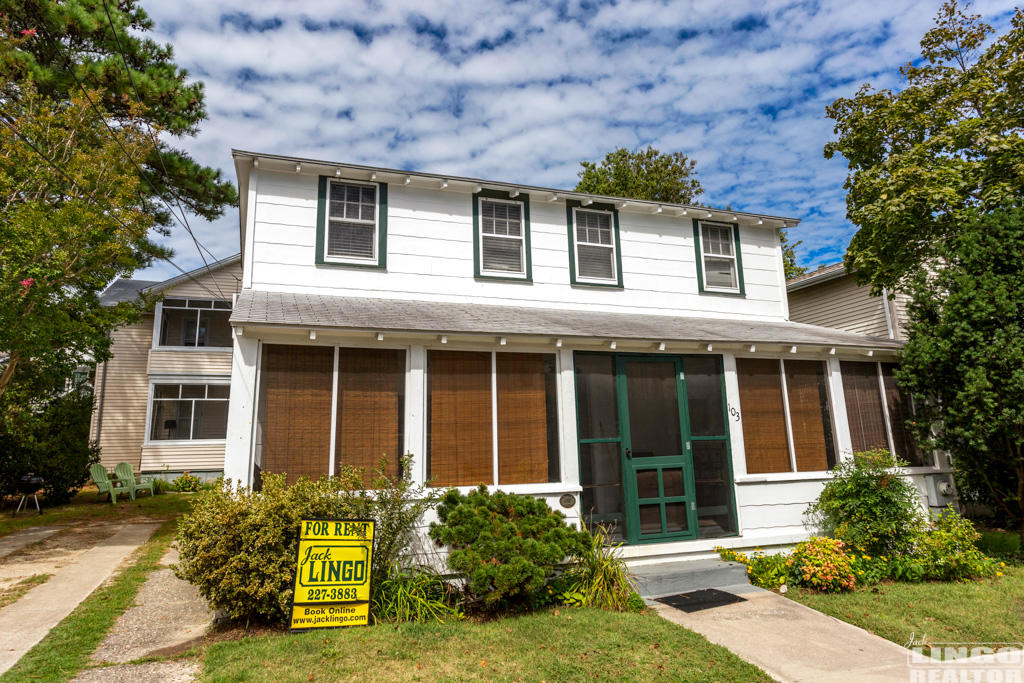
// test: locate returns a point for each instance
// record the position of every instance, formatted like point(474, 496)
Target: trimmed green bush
point(508, 547)
point(238, 546)
point(869, 505)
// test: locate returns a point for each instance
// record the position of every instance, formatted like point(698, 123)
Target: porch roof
point(320, 311)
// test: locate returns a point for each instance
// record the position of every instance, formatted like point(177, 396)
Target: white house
point(632, 362)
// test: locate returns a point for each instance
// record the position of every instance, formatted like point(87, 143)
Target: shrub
point(414, 594)
point(187, 483)
point(160, 486)
point(948, 551)
point(763, 570)
point(507, 546)
point(868, 505)
point(238, 546)
point(599, 576)
point(1000, 544)
point(822, 564)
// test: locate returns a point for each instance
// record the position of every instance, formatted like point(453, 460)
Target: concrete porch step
point(670, 578)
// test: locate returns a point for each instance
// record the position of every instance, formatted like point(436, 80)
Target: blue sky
point(522, 91)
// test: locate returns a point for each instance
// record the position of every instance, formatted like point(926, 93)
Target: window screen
point(864, 406)
point(901, 409)
point(184, 412)
point(595, 245)
point(527, 418)
point(501, 243)
point(810, 416)
point(352, 221)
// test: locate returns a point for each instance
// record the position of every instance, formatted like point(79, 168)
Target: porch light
point(588, 201)
point(661, 346)
point(656, 211)
point(612, 346)
point(337, 173)
point(709, 215)
point(710, 347)
point(444, 184)
point(871, 352)
point(514, 193)
point(735, 218)
point(753, 348)
point(558, 343)
point(682, 212)
point(622, 205)
point(380, 336)
point(256, 162)
point(312, 335)
point(502, 341)
point(444, 339)
point(832, 351)
point(760, 222)
point(373, 176)
point(408, 179)
point(792, 349)
point(298, 167)
point(553, 198)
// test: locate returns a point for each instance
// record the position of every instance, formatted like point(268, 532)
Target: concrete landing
point(670, 578)
point(792, 642)
point(27, 621)
point(12, 543)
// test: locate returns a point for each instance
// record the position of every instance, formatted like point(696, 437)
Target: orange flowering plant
point(822, 563)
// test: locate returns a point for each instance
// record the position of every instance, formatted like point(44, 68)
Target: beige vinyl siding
point(220, 283)
point(899, 306)
point(190, 362)
point(839, 304)
point(181, 457)
point(122, 390)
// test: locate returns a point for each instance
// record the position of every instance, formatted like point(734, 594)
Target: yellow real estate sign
point(332, 573)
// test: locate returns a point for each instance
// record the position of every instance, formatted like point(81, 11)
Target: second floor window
point(195, 323)
point(502, 237)
point(718, 256)
point(595, 246)
point(352, 222)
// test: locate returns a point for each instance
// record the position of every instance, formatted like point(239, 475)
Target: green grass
point(565, 644)
point(66, 649)
point(14, 593)
point(990, 610)
point(87, 507)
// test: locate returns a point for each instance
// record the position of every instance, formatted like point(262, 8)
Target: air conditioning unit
point(941, 490)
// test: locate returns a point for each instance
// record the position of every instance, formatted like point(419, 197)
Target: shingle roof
point(365, 313)
point(124, 290)
point(821, 274)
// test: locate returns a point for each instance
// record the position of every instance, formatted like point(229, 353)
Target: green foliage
point(868, 504)
point(789, 263)
point(966, 352)
point(948, 550)
point(78, 41)
point(642, 174)
point(999, 544)
point(161, 486)
point(822, 564)
point(187, 483)
point(599, 576)
point(923, 157)
point(763, 570)
point(238, 546)
point(51, 440)
point(507, 546)
point(414, 594)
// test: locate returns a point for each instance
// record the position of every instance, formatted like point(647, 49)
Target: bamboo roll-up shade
point(900, 410)
point(864, 405)
point(296, 382)
point(764, 419)
point(522, 419)
point(371, 392)
point(809, 414)
point(460, 447)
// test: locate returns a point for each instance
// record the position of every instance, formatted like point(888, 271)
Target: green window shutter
point(524, 200)
point(572, 204)
point(321, 227)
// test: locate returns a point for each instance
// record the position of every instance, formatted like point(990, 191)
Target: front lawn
point(990, 610)
point(556, 645)
point(87, 507)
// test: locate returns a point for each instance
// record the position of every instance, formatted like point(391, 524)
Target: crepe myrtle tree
point(661, 177)
point(72, 218)
point(965, 356)
point(922, 159)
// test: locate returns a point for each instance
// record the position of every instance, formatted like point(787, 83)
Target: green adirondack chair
point(103, 483)
point(126, 478)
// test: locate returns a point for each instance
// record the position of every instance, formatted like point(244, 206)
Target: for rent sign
point(332, 573)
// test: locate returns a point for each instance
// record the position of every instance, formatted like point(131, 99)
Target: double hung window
point(718, 258)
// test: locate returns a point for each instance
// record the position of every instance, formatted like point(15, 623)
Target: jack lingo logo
point(964, 662)
point(319, 568)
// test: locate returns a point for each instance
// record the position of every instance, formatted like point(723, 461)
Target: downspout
point(888, 314)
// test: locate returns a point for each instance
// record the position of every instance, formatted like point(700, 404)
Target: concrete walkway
point(12, 543)
point(792, 642)
point(27, 621)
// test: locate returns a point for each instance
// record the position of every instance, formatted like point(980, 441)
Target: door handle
point(629, 454)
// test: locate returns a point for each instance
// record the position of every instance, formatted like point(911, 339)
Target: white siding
point(840, 304)
point(430, 257)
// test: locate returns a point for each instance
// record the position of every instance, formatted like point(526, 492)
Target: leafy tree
point(650, 174)
point(924, 158)
point(69, 223)
point(966, 354)
point(642, 174)
point(90, 42)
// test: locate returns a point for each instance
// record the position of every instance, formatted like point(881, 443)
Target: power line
point(21, 136)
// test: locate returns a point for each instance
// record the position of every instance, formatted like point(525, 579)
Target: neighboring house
point(830, 296)
point(161, 400)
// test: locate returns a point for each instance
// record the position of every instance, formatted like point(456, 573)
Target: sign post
point(332, 574)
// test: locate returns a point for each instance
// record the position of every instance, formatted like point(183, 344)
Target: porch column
point(241, 409)
point(844, 442)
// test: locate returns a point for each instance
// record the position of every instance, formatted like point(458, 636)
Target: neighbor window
point(195, 323)
point(503, 238)
point(787, 420)
point(719, 266)
point(351, 223)
point(472, 440)
point(878, 411)
point(595, 246)
point(183, 412)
